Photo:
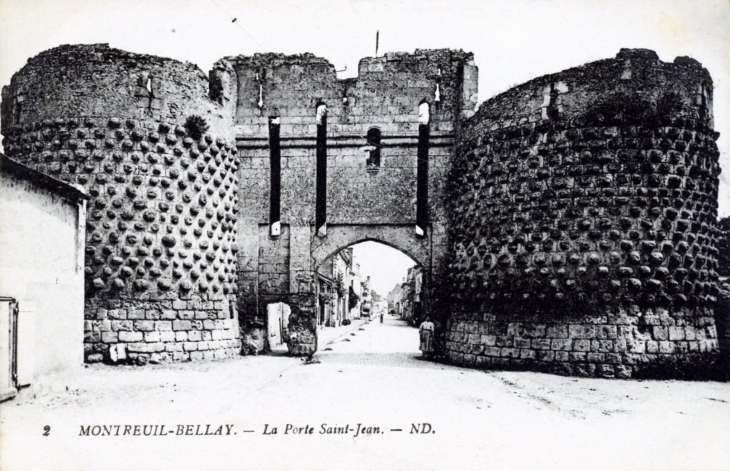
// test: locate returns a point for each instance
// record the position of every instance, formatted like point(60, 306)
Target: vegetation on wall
point(196, 126)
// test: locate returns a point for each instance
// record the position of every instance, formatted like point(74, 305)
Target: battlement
point(635, 77)
point(96, 80)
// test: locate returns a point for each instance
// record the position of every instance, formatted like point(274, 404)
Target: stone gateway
point(568, 225)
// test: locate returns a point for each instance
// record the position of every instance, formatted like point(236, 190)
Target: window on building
point(373, 147)
point(424, 113)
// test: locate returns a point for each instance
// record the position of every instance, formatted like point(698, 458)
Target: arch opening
point(277, 326)
point(368, 282)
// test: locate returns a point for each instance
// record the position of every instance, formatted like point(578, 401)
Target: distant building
point(392, 299)
point(355, 291)
point(366, 302)
point(405, 299)
point(397, 300)
point(333, 282)
point(417, 284)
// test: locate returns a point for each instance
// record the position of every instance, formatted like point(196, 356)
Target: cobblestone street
point(374, 381)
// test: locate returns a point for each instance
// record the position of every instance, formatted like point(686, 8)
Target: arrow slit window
point(424, 117)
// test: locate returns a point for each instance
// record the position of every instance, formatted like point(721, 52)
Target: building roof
point(325, 278)
point(58, 187)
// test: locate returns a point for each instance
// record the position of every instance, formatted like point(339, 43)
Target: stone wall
point(161, 230)
point(385, 95)
point(363, 203)
point(578, 210)
point(722, 322)
point(583, 229)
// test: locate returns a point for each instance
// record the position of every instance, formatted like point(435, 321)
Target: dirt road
point(357, 407)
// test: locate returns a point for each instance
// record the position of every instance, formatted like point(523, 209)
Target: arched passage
point(285, 271)
point(368, 282)
point(341, 181)
point(401, 238)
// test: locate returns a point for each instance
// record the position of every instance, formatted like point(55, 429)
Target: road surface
point(358, 407)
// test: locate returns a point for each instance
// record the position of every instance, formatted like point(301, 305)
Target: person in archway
point(426, 331)
point(381, 316)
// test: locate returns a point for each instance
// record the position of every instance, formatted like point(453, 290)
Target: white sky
point(513, 40)
point(385, 265)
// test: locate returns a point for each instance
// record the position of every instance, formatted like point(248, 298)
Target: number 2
point(46, 430)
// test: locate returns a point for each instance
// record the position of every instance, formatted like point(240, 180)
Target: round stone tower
point(150, 139)
point(583, 223)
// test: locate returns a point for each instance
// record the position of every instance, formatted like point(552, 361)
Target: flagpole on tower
point(377, 40)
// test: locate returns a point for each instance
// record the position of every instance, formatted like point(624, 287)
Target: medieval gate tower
point(568, 225)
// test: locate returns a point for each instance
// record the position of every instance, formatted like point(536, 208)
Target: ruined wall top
point(98, 81)
point(634, 78)
point(291, 87)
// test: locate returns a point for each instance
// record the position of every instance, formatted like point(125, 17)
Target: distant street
point(368, 390)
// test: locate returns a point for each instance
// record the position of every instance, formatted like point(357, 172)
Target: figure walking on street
point(381, 317)
point(426, 330)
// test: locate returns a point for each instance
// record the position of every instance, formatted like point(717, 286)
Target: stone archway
point(303, 323)
point(399, 237)
point(333, 164)
point(285, 270)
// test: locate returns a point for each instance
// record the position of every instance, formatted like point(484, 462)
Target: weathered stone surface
point(587, 199)
point(367, 199)
point(141, 222)
point(572, 219)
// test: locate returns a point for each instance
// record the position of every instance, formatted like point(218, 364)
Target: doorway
point(277, 326)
